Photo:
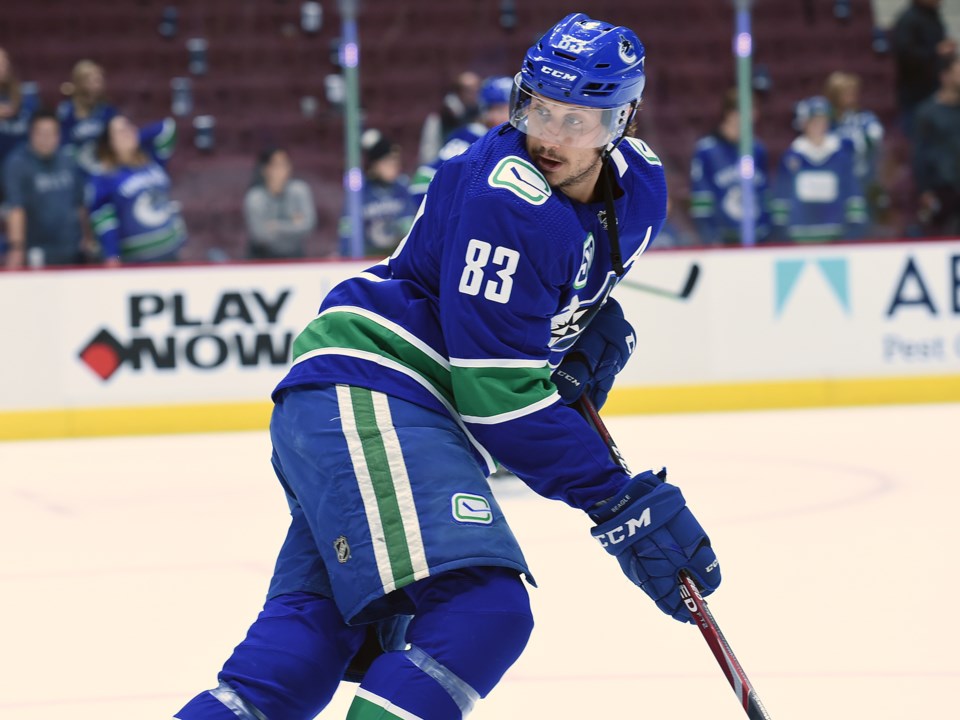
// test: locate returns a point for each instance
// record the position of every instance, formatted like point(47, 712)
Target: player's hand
point(600, 352)
point(654, 536)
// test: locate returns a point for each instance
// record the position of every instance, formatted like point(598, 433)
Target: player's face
point(571, 170)
point(572, 126)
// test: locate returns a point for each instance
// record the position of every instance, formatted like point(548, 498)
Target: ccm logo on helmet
point(622, 532)
point(559, 74)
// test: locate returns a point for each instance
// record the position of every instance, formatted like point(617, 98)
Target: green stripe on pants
point(384, 486)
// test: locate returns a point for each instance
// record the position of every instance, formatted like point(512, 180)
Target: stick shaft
point(682, 294)
point(695, 603)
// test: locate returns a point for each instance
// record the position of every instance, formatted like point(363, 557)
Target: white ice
point(130, 567)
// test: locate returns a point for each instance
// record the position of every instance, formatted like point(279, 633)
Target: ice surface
point(130, 567)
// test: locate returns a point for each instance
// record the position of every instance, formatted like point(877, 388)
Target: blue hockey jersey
point(130, 207)
point(497, 278)
point(817, 196)
point(716, 202)
point(79, 135)
point(864, 130)
point(388, 211)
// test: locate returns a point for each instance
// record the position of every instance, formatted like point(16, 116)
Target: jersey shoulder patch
point(644, 150)
point(520, 177)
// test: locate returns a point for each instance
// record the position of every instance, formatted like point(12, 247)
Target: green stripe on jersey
point(347, 328)
point(384, 486)
point(368, 706)
point(488, 391)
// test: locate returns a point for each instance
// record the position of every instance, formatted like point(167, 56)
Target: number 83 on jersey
point(483, 259)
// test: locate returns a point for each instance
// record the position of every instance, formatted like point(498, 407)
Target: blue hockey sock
point(470, 626)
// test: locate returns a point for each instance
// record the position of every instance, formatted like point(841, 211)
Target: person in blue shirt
point(817, 196)
point(463, 349)
point(85, 114)
point(716, 203)
point(44, 197)
point(494, 104)
point(388, 206)
point(128, 196)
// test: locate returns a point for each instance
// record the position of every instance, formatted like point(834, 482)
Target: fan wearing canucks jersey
point(465, 348)
point(817, 196)
point(494, 102)
point(128, 197)
point(716, 202)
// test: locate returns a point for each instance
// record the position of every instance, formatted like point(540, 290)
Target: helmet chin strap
point(607, 169)
point(613, 235)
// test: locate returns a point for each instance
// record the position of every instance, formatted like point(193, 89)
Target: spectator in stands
point(460, 107)
point(816, 195)
point(862, 128)
point(919, 41)
point(129, 194)
point(279, 209)
point(388, 206)
point(44, 192)
point(936, 159)
point(716, 198)
point(494, 104)
point(18, 102)
point(85, 114)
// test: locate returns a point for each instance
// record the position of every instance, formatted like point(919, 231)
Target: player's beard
point(577, 174)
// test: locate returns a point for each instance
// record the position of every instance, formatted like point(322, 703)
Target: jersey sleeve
point(159, 139)
point(502, 278)
point(103, 215)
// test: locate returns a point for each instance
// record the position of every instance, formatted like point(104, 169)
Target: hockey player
point(716, 202)
point(816, 195)
point(494, 103)
point(421, 370)
point(128, 195)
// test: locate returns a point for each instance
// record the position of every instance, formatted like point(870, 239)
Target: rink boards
point(193, 348)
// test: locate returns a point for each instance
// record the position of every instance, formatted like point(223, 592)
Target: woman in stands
point(129, 194)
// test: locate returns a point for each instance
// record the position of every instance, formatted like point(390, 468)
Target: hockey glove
point(654, 536)
point(600, 352)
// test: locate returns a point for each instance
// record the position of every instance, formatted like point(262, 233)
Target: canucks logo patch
point(589, 250)
point(469, 508)
point(522, 179)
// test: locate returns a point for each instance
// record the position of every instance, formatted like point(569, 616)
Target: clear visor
point(557, 123)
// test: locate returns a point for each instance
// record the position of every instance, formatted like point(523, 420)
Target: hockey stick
point(690, 594)
point(683, 294)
